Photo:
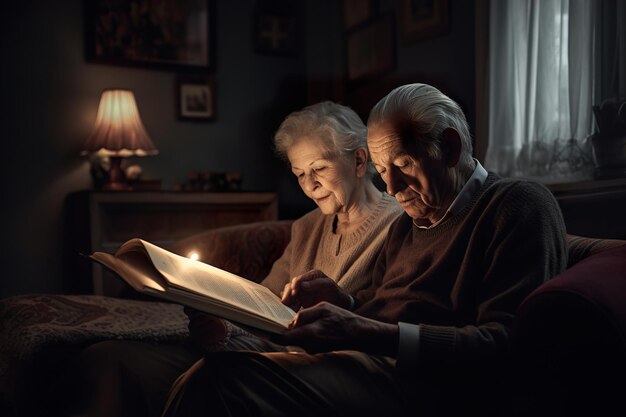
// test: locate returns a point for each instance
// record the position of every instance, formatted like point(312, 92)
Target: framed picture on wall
point(371, 49)
point(356, 12)
point(196, 98)
point(162, 35)
point(422, 19)
point(275, 28)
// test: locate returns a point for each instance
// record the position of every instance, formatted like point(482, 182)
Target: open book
point(152, 270)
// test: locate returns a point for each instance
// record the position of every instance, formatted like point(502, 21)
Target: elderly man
point(434, 324)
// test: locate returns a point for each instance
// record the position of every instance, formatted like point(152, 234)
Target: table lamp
point(118, 133)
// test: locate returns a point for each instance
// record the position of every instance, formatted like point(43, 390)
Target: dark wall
point(50, 95)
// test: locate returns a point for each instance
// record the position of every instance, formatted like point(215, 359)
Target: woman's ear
point(451, 146)
point(360, 158)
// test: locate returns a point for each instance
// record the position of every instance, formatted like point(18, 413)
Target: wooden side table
point(103, 220)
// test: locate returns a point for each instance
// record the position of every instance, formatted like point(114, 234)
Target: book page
point(136, 270)
point(218, 284)
point(242, 317)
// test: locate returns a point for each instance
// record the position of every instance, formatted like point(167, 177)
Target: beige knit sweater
point(348, 259)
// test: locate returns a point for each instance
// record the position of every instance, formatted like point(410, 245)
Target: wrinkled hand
point(205, 329)
point(311, 288)
point(326, 327)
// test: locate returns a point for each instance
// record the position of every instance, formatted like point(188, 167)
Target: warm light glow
point(118, 130)
point(194, 256)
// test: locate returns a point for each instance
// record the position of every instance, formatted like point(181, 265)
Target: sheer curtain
point(542, 65)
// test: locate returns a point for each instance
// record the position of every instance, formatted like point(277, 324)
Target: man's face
point(419, 183)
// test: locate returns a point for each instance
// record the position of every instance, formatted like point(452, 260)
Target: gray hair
point(338, 126)
point(429, 113)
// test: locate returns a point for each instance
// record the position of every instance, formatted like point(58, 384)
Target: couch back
point(248, 250)
point(580, 247)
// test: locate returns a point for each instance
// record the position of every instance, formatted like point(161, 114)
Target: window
point(545, 76)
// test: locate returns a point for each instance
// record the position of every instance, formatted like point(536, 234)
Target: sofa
point(569, 335)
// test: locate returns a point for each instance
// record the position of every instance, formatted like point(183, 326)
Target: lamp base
point(117, 178)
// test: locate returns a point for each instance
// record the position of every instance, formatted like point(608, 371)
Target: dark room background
point(50, 95)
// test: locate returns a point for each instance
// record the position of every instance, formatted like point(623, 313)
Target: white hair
point(338, 126)
point(429, 113)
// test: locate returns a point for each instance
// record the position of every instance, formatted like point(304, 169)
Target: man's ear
point(360, 159)
point(451, 146)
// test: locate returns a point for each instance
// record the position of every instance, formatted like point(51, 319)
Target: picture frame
point(423, 19)
point(371, 49)
point(195, 98)
point(275, 29)
point(356, 12)
point(176, 35)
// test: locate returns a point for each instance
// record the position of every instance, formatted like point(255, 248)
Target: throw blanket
point(31, 323)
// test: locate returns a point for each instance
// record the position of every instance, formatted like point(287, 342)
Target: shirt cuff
point(408, 346)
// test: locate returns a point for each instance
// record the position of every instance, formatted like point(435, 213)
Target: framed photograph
point(423, 19)
point(196, 98)
point(275, 28)
point(356, 12)
point(161, 35)
point(371, 49)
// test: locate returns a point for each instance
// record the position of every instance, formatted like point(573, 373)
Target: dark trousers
point(122, 379)
point(248, 383)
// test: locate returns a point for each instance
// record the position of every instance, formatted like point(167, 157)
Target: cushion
point(569, 339)
point(248, 250)
point(596, 284)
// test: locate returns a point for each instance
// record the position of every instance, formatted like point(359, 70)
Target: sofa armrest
point(569, 339)
point(248, 250)
point(594, 288)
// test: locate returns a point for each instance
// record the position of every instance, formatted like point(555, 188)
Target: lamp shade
point(118, 130)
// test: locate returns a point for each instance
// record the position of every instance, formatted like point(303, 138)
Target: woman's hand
point(311, 288)
point(326, 327)
point(205, 329)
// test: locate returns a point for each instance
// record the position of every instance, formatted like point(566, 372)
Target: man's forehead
point(385, 139)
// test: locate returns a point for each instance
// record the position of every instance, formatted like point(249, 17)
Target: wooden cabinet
point(102, 221)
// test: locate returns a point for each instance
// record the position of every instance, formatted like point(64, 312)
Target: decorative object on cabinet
point(421, 20)
point(117, 133)
point(136, 182)
point(102, 221)
point(371, 49)
point(160, 35)
point(196, 98)
point(211, 181)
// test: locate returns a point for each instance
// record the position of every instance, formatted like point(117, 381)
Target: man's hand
point(205, 329)
point(311, 288)
point(326, 327)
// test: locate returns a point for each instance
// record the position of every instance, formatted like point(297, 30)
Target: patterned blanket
point(31, 323)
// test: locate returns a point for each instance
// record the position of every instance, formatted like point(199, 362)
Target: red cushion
point(569, 341)
point(599, 280)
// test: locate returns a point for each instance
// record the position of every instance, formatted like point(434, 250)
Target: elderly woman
point(325, 146)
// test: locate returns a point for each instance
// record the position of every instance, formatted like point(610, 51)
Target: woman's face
point(325, 177)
